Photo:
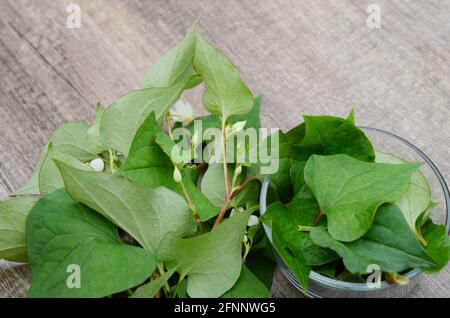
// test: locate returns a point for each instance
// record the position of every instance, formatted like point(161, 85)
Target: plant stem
point(222, 212)
point(302, 228)
point(228, 199)
point(111, 161)
point(169, 126)
point(224, 155)
point(317, 217)
point(193, 208)
point(421, 238)
point(161, 272)
point(186, 194)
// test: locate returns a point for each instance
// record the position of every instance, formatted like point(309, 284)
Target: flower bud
point(238, 170)
point(97, 164)
point(177, 175)
point(253, 221)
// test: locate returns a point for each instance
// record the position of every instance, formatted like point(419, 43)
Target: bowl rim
point(330, 282)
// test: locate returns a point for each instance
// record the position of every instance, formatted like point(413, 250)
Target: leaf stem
point(421, 238)
point(317, 217)
point(111, 161)
point(193, 208)
point(161, 272)
point(169, 126)
point(224, 156)
point(303, 228)
point(228, 199)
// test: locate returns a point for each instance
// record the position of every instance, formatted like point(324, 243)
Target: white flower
point(97, 164)
point(252, 221)
point(177, 175)
point(182, 112)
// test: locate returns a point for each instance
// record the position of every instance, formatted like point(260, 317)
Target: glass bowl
point(322, 286)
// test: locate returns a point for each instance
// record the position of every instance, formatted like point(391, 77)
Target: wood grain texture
point(309, 56)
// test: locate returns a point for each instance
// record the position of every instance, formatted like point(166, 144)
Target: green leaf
point(389, 243)
point(438, 244)
point(204, 207)
point(49, 177)
point(213, 184)
point(261, 260)
point(225, 93)
point(147, 165)
point(212, 261)
point(247, 286)
point(295, 247)
point(146, 214)
point(326, 135)
point(122, 119)
point(93, 133)
point(13, 216)
point(175, 66)
point(349, 191)
point(417, 197)
point(69, 138)
point(280, 180)
point(252, 119)
point(213, 187)
point(351, 116)
point(149, 290)
point(72, 139)
point(61, 233)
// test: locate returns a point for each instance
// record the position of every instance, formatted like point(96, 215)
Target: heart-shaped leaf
point(175, 66)
point(146, 214)
point(225, 93)
point(389, 243)
point(212, 261)
point(327, 135)
point(122, 119)
point(349, 191)
point(295, 247)
point(147, 165)
point(75, 252)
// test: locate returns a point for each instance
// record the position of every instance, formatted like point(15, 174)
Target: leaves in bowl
point(349, 191)
point(389, 243)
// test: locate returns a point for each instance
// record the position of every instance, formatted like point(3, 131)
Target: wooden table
point(304, 57)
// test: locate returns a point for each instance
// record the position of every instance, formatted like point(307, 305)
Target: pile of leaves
point(110, 212)
point(343, 210)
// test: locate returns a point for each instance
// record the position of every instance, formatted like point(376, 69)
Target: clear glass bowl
point(322, 286)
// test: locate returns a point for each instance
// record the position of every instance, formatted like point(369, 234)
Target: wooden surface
point(310, 57)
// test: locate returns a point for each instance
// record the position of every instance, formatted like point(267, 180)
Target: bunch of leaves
point(137, 223)
point(338, 207)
